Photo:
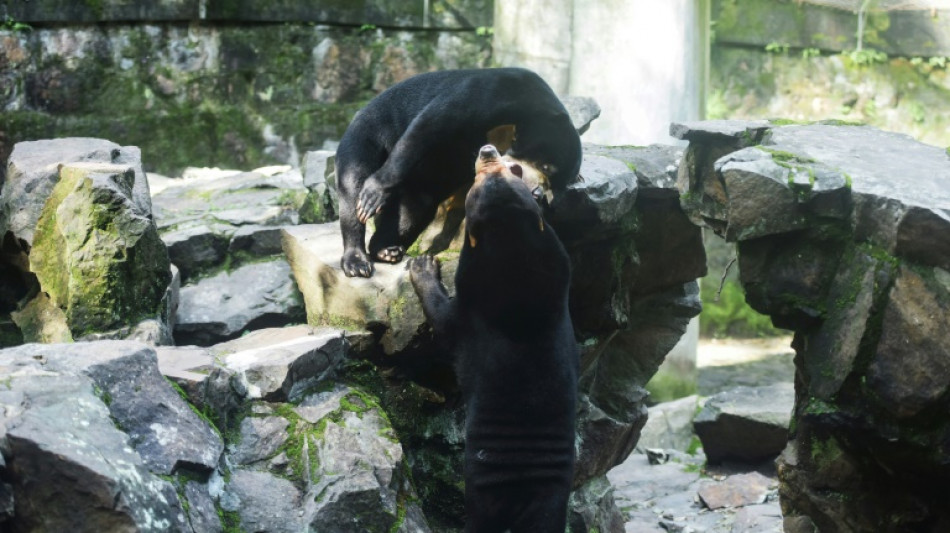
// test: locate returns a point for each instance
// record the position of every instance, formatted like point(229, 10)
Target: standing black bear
point(410, 147)
point(510, 334)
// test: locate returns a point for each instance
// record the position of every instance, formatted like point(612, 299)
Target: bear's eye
point(547, 169)
point(516, 169)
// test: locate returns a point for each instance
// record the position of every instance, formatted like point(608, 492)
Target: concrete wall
point(643, 61)
point(231, 83)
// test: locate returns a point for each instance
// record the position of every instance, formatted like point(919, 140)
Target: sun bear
point(410, 148)
point(510, 334)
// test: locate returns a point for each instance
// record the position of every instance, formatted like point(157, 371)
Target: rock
point(592, 508)
point(33, 172)
point(195, 248)
point(319, 177)
point(741, 132)
point(187, 366)
point(582, 109)
point(223, 306)
point(910, 370)
point(70, 465)
point(204, 212)
point(736, 491)
point(760, 414)
point(385, 302)
point(669, 425)
point(255, 241)
point(163, 428)
point(604, 198)
point(95, 254)
point(202, 513)
point(851, 252)
point(264, 502)
point(260, 438)
point(281, 364)
point(358, 477)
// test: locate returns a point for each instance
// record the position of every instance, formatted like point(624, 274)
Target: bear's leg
point(351, 175)
point(399, 223)
point(546, 513)
point(384, 245)
point(426, 278)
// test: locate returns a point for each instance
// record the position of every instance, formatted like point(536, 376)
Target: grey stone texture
point(842, 240)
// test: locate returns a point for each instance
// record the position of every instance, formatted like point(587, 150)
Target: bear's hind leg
point(384, 245)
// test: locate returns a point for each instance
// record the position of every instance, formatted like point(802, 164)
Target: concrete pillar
point(644, 61)
point(535, 34)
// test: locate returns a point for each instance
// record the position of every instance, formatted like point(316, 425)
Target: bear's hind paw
point(391, 254)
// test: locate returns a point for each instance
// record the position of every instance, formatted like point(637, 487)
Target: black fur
point(410, 148)
point(510, 334)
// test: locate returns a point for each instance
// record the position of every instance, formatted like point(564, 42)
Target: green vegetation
point(866, 56)
point(776, 48)
point(666, 386)
point(11, 24)
point(731, 316)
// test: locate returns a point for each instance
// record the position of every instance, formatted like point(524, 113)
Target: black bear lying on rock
point(410, 147)
point(510, 333)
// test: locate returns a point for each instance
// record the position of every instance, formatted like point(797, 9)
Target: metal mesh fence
point(886, 5)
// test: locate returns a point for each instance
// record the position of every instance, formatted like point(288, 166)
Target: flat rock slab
point(280, 364)
point(746, 423)
point(737, 491)
point(275, 364)
point(163, 428)
point(385, 302)
point(815, 171)
point(224, 306)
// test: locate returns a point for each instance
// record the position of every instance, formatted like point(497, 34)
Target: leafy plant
point(867, 56)
point(484, 31)
point(810, 52)
point(776, 47)
point(11, 24)
point(730, 315)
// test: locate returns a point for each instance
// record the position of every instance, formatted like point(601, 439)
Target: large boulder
point(843, 235)
point(80, 251)
point(224, 306)
point(747, 424)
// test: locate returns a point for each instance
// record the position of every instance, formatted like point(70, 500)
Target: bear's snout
point(488, 152)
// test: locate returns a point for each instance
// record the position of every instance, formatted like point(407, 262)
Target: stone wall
point(843, 235)
point(219, 83)
point(800, 61)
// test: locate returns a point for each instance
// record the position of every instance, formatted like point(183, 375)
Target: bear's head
point(499, 201)
point(549, 156)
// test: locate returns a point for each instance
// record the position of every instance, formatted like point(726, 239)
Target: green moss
point(230, 521)
point(201, 414)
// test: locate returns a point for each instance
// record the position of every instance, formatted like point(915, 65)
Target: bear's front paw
point(355, 263)
point(423, 269)
point(371, 199)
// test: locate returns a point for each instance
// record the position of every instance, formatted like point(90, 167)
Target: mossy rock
point(98, 258)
